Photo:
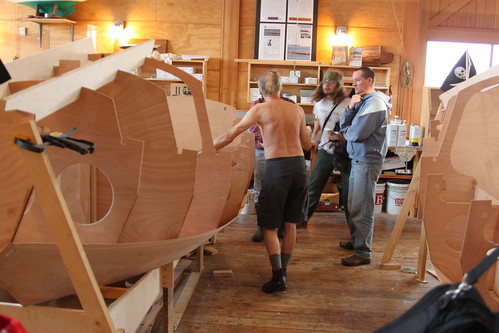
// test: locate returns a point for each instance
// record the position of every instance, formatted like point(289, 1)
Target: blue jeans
point(361, 195)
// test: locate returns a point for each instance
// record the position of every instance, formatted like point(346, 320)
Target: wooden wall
point(225, 30)
point(368, 23)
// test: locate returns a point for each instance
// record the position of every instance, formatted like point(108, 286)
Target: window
point(442, 56)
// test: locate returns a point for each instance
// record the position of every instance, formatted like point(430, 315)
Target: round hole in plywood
point(87, 191)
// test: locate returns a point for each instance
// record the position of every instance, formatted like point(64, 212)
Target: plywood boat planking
point(35, 273)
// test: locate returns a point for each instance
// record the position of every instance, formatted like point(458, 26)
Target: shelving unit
point(307, 69)
point(50, 20)
point(198, 67)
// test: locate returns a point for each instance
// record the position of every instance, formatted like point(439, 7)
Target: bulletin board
point(286, 30)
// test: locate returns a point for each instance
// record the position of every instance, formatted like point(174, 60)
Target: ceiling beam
point(448, 12)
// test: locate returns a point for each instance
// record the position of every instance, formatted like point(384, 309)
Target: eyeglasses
point(328, 82)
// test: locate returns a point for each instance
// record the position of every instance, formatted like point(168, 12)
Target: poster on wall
point(273, 11)
point(286, 30)
point(301, 11)
point(271, 41)
point(299, 42)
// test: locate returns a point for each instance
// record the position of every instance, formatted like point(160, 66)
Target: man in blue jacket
point(363, 125)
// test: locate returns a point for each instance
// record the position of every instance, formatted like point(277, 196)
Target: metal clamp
point(61, 140)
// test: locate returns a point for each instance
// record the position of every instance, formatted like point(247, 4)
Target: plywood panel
point(212, 86)
point(183, 38)
point(110, 10)
point(194, 11)
point(336, 13)
point(7, 10)
point(166, 177)
point(247, 12)
point(246, 42)
point(8, 40)
point(490, 17)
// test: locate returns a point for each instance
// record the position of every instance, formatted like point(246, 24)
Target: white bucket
point(397, 190)
point(379, 198)
point(249, 207)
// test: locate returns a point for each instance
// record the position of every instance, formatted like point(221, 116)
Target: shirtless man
point(283, 196)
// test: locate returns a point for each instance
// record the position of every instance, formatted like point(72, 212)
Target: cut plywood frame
point(457, 167)
point(212, 168)
point(43, 100)
point(166, 178)
point(119, 158)
point(39, 66)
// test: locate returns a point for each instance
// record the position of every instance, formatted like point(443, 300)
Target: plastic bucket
point(397, 190)
point(249, 207)
point(379, 198)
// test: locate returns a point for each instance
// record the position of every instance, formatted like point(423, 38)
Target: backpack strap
point(472, 276)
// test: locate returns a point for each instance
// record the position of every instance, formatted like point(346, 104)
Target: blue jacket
point(364, 128)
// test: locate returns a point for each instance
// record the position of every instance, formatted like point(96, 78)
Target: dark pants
point(323, 166)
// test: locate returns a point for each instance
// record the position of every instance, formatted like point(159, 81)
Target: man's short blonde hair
point(270, 84)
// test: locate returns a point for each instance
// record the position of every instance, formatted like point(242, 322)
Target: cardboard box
point(330, 197)
point(306, 100)
point(326, 206)
point(310, 80)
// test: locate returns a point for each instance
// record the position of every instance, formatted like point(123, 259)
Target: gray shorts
point(283, 197)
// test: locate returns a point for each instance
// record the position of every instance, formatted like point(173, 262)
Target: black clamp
point(62, 140)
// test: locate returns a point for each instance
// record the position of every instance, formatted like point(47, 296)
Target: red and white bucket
point(397, 190)
point(379, 198)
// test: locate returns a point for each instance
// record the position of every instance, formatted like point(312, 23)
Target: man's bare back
point(283, 128)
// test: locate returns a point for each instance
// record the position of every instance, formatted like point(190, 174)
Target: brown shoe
point(347, 245)
point(355, 260)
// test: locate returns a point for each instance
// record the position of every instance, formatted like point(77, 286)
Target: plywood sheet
point(119, 158)
point(167, 175)
point(51, 95)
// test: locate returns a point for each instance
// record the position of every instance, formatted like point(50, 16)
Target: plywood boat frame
point(75, 258)
point(460, 223)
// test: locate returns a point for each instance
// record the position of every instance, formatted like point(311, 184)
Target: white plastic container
point(396, 192)
point(402, 135)
point(415, 135)
point(379, 198)
point(391, 134)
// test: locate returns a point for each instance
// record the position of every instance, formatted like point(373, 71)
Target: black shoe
point(347, 245)
point(355, 260)
point(277, 283)
point(258, 235)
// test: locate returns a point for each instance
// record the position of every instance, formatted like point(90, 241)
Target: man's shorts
point(283, 197)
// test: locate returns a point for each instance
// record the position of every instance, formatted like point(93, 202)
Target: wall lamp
point(117, 29)
point(341, 38)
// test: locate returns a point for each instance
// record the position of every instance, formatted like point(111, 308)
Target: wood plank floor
point(322, 296)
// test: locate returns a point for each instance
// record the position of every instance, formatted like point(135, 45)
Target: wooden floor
point(322, 296)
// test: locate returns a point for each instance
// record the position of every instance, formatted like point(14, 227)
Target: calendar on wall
point(286, 30)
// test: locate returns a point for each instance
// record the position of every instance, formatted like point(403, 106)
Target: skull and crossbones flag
point(462, 71)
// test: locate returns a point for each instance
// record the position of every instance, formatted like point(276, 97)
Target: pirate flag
point(462, 71)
